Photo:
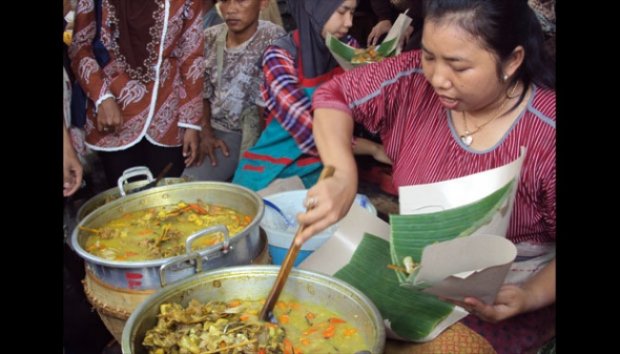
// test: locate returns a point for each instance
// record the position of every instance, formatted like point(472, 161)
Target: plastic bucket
point(280, 234)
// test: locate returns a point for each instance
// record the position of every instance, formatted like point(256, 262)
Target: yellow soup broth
point(161, 232)
point(234, 327)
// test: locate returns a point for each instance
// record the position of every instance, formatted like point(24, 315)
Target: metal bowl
point(254, 282)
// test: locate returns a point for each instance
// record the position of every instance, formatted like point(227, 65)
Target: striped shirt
point(422, 142)
point(285, 98)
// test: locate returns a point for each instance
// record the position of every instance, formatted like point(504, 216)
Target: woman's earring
point(505, 78)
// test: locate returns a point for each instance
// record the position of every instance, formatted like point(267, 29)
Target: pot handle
point(133, 172)
point(197, 256)
point(208, 230)
point(177, 260)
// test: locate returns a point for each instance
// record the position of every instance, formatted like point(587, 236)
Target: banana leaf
point(344, 53)
point(411, 233)
point(412, 314)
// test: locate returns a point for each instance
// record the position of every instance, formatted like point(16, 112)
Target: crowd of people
point(243, 101)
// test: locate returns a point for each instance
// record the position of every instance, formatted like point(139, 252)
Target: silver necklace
point(468, 136)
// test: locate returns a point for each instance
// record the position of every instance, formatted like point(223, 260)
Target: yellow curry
point(161, 232)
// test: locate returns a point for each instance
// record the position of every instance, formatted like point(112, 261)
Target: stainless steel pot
point(123, 188)
point(254, 282)
point(153, 274)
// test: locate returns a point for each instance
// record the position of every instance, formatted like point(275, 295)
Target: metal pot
point(154, 274)
point(252, 282)
point(124, 187)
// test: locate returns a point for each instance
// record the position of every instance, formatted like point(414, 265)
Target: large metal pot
point(254, 282)
point(124, 188)
point(154, 274)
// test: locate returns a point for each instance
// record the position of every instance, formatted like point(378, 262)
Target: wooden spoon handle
point(289, 260)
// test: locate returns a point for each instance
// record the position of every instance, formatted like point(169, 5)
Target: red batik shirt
point(161, 103)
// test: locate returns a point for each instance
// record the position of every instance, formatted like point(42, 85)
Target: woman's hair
point(502, 25)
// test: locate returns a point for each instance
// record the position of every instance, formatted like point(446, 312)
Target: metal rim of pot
point(125, 187)
point(160, 261)
point(184, 289)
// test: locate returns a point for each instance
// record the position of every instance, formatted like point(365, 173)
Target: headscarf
point(310, 17)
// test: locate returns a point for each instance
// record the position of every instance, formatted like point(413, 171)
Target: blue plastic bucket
point(280, 234)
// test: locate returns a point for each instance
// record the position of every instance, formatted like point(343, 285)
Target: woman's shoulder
point(542, 104)
point(281, 48)
point(403, 65)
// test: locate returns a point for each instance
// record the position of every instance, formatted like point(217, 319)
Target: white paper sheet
point(467, 266)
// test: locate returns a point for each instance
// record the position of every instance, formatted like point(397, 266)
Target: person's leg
point(115, 162)
point(225, 167)
point(157, 157)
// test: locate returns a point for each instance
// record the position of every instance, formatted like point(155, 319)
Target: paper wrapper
point(463, 274)
point(448, 270)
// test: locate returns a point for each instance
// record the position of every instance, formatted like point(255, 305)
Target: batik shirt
point(159, 104)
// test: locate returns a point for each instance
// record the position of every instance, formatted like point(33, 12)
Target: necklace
point(468, 137)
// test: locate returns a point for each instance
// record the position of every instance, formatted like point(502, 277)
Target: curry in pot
point(161, 232)
point(234, 327)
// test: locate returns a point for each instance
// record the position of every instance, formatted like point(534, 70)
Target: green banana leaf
point(388, 48)
point(344, 53)
point(411, 233)
point(412, 314)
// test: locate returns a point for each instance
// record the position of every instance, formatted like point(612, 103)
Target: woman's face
point(341, 20)
point(462, 71)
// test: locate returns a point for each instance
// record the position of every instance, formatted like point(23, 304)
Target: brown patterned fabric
point(134, 20)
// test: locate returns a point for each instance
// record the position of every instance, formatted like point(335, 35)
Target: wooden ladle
point(288, 262)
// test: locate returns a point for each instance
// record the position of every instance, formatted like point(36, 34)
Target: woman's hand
point(109, 117)
point(511, 300)
point(381, 28)
point(191, 142)
point(405, 37)
point(328, 202)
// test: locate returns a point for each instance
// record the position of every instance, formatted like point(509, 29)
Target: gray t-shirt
point(241, 74)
